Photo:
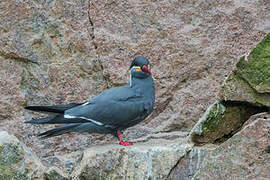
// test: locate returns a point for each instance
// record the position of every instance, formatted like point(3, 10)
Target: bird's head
point(140, 67)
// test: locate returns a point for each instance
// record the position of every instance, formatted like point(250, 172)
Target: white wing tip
point(67, 116)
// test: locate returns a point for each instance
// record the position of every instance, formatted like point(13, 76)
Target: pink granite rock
point(67, 51)
point(243, 156)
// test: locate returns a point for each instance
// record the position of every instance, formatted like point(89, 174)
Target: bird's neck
point(146, 84)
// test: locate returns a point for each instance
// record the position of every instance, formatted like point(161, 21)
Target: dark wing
point(115, 107)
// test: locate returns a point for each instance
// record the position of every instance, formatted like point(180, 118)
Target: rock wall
point(68, 51)
point(16, 160)
point(243, 156)
point(239, 141)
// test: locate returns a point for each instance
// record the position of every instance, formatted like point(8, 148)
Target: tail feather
point(54, 108)
point(59, 119)
point(58, 131)
point(45, 120)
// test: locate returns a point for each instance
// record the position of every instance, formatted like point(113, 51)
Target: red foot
point(125, 143)
point(121, 142)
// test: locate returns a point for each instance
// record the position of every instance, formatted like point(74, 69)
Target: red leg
point(121, 142)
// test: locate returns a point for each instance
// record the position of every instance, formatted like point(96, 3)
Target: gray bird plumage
point(109, 112)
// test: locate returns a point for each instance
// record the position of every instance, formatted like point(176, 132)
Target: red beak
point(145, 69)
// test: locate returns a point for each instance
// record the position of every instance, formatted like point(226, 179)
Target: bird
point(110, 112)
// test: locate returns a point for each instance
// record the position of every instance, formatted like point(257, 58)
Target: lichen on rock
point(16, 161)
point(241, 157)
point(250, 81)
point(244, 93)
point(222, 120)
point(256, 69)
point(82, 48)
point(54, 173)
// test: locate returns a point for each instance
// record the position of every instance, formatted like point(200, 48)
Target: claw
point(125, 143)
point(121, 142)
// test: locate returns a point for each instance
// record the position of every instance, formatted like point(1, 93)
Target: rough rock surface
point(189, 164)
point(54, 173)
point(222, 120)
point(152, 160)
point(84, 47)
point(244, 93)
point(243, 156)
point(17, 161)
point(250, 81)
point(68, 51)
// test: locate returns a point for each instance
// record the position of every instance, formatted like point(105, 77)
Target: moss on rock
point(221, 121)
point(55, 173)
point(213, 118)
point(256, 69)
point(16, 162)
point(250, 81)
